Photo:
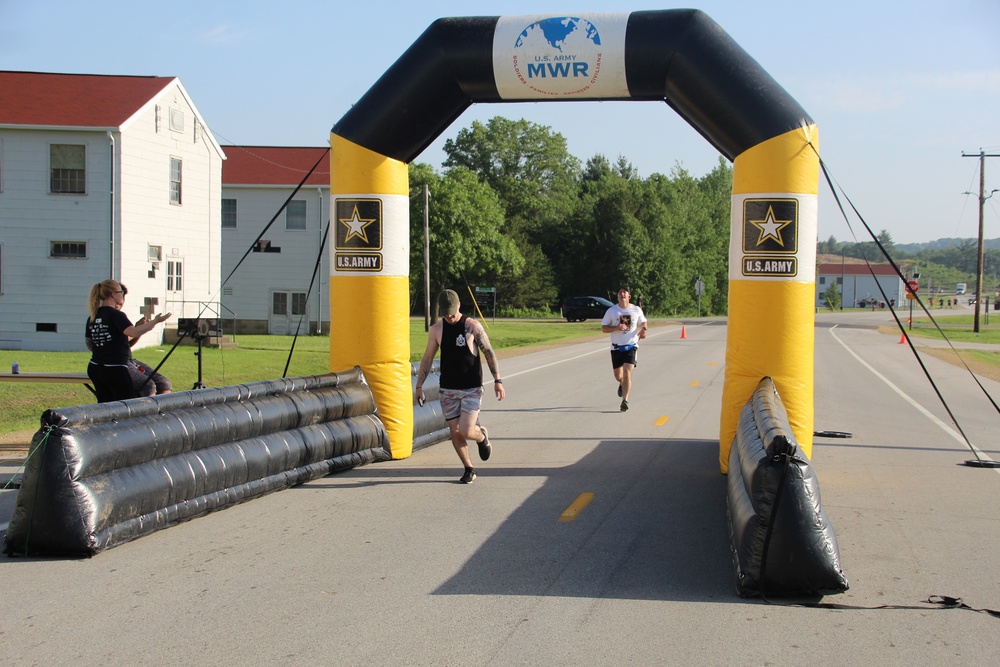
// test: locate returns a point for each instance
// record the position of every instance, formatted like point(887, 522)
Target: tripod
point(199, 338)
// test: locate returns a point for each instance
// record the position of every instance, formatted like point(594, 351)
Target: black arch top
point(680, 56)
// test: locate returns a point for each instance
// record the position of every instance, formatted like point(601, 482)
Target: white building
point(103, 177)
point(857, 286)
point(269, 291)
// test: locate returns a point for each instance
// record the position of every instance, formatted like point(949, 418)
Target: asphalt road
point(398, 564)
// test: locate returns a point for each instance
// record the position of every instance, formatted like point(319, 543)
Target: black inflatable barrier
point(782, 542)
point(429, 426)
point(101, 475)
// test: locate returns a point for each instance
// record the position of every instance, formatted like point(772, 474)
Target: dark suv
point(580, 308)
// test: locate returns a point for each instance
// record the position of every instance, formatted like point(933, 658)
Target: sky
point(899, 89)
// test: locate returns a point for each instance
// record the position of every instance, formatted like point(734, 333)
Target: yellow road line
point(661, 421)
point(694, 384)
point(573, 510)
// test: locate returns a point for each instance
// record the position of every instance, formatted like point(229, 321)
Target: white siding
point(189, 232)
point(36, 289)
point(290, 270)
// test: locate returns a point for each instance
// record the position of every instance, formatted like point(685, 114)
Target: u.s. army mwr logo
point(770, 237)
point(359, 230)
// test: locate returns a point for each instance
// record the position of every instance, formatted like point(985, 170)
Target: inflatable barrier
point(783, 544)
point(101, 475)
point(429, 426)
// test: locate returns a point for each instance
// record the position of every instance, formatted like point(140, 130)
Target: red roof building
point(103, 177)
point(271, 288)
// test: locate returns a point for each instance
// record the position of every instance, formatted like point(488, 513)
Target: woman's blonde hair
point(100, 292)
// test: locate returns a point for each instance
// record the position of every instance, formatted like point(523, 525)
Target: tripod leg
point(199, 384)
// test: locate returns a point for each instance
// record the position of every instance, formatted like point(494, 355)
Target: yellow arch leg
point(772, 281)
point(369, 280)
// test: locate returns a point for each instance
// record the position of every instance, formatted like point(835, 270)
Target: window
point(154, 253)
point(68, 249)
point(279, 303)
point(68, 169)
point(295, 216)
point(298, 303)
point(174, 276)
point(46, 327)
point(175, 180)
point(229, 214)
point(176, 120)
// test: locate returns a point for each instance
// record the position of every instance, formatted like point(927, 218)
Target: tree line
point(512, 209)
point(938, 266)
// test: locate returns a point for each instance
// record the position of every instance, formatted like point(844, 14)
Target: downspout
point(319, 283)
point(111, 194)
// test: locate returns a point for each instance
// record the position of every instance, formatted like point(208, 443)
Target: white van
point(960, 288)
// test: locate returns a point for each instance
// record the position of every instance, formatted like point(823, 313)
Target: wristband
point(498, 382)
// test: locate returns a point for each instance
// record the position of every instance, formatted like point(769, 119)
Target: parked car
point(580, 308)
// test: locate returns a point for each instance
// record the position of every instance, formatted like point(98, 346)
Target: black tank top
point(460, 368)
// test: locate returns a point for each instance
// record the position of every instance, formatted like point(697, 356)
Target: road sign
point(913, 286)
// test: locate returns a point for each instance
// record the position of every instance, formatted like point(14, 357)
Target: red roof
point(855, 269)
point(275, 165)
point(74, 100)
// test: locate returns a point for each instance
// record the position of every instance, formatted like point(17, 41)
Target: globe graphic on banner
point(563, 33)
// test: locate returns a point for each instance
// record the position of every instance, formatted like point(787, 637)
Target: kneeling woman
point(108, 334)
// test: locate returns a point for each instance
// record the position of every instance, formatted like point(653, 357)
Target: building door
point(287, 309)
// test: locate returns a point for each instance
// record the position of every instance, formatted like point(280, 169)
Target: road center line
point(576, 507)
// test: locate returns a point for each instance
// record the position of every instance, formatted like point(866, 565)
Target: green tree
point(832, 296)
point(532, 173)
point(465, 224)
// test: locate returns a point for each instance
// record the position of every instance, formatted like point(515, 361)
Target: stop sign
point(912, 286)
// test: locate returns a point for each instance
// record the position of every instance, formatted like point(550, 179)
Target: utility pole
point(979, 253)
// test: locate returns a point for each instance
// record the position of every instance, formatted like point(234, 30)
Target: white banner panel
point(370, 235)
point(773, 237)
point(549, 57)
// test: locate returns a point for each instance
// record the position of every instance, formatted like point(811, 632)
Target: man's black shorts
point(620, 357)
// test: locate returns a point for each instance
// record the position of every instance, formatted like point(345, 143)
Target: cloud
point(985, 81)
point(858, 96)
point(225, 34)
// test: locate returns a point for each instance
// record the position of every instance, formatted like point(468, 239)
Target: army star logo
point(770, 228)
point(356, 226)
point(359, 223)
point(770, 225)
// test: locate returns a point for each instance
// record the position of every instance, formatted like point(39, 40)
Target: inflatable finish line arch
point(681, 57)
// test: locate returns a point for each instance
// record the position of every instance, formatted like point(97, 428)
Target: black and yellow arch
point(680, 57)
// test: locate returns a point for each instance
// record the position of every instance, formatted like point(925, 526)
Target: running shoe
point(484, 447)
point(624, 406)
point(469, 476)
point(619, 390)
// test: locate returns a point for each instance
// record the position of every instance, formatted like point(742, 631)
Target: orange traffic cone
point(902, 339)
point(683, 332)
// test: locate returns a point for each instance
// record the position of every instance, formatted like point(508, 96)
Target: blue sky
point(899, 89)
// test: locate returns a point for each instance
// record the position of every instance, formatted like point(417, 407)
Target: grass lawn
point(256, 358)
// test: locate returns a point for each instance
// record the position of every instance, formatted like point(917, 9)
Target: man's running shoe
point(484, 447)
point(624, 406)
point(469, 476)
point(619, 390)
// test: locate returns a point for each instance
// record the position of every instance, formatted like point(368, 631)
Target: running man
point(627, 326)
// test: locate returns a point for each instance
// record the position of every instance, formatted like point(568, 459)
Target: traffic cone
point(902, 339)
point(683, 332)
